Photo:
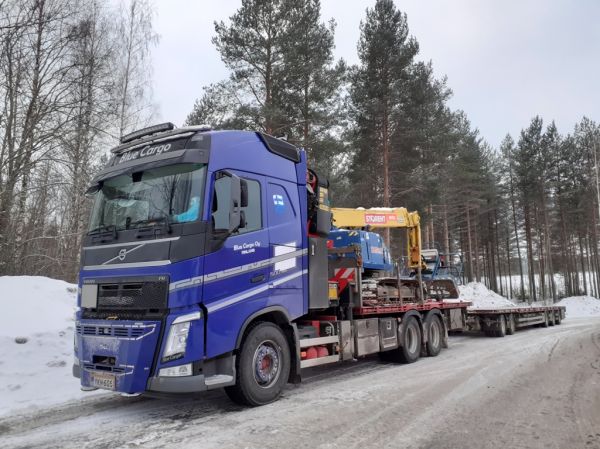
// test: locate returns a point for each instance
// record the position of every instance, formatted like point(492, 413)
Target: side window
point(253, 211)
point(221, 205)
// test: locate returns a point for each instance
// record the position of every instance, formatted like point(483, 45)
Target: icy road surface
point(539, 388)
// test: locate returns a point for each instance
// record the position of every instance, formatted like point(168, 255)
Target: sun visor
point(121, 166)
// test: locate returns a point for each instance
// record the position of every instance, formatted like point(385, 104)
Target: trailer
point(505, 321)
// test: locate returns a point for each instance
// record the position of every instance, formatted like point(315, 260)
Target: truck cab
point(194, 234)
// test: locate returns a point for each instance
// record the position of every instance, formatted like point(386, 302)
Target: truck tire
point(410, 350)
point(510, 325)
point(545, 323)
point(263, 366)
point(557, 318)
point(551, 318)
point(500, 330)
point(435, 335)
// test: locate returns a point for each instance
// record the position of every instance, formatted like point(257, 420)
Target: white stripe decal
point(152, 263)
point(248, 293)
point(234, 271)
point(143, 242)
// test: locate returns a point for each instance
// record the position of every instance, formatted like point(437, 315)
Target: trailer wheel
point(557, 318)
point(551, 318)
point(434, 335)
point(411, 337)
point(510, 325)
point(546, 322)
point(263, 366)
point(499, 330)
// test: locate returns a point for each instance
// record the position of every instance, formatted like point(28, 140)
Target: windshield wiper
point(103, 231)
point(146, 231)
point(107, 228)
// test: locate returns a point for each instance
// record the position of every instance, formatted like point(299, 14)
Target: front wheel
point(263, 366)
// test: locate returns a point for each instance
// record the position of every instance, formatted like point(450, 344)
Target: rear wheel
point(411, 337)
point(501, 330)
point(434, 335)
point(546, 321)
point(263, 366)
point(557, 318)
point(510, 325)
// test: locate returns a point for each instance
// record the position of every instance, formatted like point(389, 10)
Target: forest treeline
point(73, 78)
point(523, 217)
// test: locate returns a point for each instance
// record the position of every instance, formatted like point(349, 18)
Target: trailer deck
point(402, 308)
point(503, 321)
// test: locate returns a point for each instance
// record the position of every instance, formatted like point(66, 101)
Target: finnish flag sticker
point(278, 203)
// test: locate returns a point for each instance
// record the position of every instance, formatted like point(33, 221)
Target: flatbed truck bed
point(503, 321)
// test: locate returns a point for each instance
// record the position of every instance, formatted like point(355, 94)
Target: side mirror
point(93, 189)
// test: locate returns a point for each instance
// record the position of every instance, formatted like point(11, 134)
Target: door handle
point(257, 278)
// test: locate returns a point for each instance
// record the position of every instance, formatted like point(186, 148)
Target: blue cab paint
point(264, 269)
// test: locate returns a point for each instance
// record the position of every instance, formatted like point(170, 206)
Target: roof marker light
point(162, 127)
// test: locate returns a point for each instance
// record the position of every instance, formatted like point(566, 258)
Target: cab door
point(285, 235)
point(237, 271)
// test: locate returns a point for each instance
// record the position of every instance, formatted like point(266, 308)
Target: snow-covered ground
point(36, 342)
point(36, 337)
point(581, 306)
point(483, 298)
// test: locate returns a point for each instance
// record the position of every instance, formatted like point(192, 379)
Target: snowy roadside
point(38, 313)
point(483, 298)
point(36, 343)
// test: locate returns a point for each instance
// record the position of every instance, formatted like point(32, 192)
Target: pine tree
point(251, 47)
point(311, 83)
point(386, 52)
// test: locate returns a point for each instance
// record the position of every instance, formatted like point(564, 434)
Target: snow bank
point(581, 306)
point(38, 312)
point(482, 297)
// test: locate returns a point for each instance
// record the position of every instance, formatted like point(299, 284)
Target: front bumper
point(189, 384)
point(186, 384)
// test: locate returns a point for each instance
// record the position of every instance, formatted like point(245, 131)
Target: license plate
point(103, 380)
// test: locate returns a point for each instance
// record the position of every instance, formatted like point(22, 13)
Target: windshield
point(172, 194)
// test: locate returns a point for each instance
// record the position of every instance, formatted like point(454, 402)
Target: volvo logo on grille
point(122, 254)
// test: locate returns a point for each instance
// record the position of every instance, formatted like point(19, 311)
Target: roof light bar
point(168, 126)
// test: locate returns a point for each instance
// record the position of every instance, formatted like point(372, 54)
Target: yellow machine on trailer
point(400, 218)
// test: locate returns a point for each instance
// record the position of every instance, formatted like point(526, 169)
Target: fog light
point(176, 371)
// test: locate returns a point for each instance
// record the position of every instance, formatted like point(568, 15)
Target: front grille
point(127, 295)
point(98, 367)
point(119, 331)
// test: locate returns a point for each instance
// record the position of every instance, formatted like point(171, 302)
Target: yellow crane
point(385, 217)
point(398, 217)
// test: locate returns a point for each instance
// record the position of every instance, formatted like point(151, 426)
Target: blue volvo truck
point(206, 265)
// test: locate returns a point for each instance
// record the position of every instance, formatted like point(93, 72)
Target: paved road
point(539, 388)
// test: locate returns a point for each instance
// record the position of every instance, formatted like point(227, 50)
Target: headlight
point(176, 342)
point(178, 334)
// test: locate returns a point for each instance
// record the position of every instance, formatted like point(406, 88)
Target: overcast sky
point(506, 60)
